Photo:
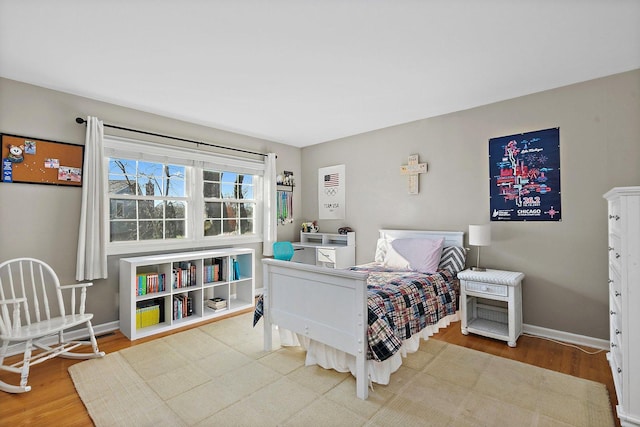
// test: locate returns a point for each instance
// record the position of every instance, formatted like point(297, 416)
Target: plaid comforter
point(400, 304)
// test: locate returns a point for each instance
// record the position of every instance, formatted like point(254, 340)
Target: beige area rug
point(218, 374)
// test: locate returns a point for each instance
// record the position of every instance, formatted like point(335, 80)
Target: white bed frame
point(328, 305)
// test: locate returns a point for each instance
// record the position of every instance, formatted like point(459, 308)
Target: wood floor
point(54, 401)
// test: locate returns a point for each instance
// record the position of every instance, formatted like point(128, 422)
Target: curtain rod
point(80, 120)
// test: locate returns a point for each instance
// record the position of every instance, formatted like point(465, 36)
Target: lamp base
point(478, 269)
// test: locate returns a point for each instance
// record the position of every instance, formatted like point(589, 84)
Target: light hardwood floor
point(54, 401)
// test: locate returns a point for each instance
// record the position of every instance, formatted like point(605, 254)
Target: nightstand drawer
point(326, 255)
point(487, 288)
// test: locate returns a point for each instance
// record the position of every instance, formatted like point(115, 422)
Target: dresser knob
point(613, 345)
point(619, 370)
point(610, 248)
point(617, 255)
point(616, 217)
point(612, 312)
point(617, 293)
point(610, 281)
point(618, 332)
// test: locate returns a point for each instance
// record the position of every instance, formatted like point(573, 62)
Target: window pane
point(150, 209)
point(213, 209)
point(212, 189)
point(122, 231)
point(151, 230)
point(122, 167)
point(118, 184)
point(229, 177)
point(246, 210)
point(122, 209)
point(212, 227)
point(150, 186)
point(246, 226)
point(247, 191)
point(229, 226)
point(228, 190)
point(175, 187)
point(175, 209)
point(175, 229)
point(230, 210)
point(174, 181)
point(211, 176)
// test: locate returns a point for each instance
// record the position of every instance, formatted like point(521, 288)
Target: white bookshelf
point(198, 286)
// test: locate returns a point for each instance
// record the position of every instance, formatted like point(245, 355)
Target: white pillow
point(381, 250)
point(422, 255)
point(394, 260)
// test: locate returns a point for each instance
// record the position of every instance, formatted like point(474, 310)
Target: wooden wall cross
point(412, 170)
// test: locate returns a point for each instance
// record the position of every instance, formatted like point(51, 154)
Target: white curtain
point(92, 239)
point(270, 220)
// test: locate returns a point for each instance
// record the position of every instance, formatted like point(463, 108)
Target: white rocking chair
point(26, 284)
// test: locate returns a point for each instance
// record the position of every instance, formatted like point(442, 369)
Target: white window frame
point(195, 162)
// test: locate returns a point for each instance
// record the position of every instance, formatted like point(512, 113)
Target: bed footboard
point(323, 304)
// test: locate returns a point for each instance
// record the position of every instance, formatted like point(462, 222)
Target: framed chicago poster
point(524, 172)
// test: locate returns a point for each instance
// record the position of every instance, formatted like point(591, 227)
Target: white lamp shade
point(480, 235)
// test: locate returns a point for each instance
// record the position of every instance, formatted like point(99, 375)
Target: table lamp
point(479, 235)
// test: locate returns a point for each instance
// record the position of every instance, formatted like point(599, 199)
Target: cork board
point(40, 161)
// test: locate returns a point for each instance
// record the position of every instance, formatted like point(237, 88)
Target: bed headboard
point(451, 238)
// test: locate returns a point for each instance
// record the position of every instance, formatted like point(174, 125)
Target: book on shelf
point(184, 275)
point(148, 283)
point(217, 303)
point(236, 270)
point(147, 316)
point(182, 306)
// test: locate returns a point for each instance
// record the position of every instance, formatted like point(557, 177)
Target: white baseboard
point(75, 335)
point(567, 337)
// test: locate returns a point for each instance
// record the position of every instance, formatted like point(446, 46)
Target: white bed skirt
point(379, 372)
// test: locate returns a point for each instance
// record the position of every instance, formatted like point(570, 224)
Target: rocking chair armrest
point(13, 301)
point(76, 285)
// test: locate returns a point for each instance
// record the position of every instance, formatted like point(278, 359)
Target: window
point(162, 197)
point(229, 203)
point(147, 201)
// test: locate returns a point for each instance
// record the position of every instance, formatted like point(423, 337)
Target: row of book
point(184, 275)
point(212, 273)
point(182, 306)
point(147, 316)
point(148, 283)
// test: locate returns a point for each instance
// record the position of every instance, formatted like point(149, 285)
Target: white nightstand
point(491, 304)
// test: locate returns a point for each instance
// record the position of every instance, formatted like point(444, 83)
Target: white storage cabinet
point(235, 284)
point(624, 300)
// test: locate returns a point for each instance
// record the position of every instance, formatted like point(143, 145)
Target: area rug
point(218, 374)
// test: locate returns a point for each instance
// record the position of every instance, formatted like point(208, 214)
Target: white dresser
point(624, 300)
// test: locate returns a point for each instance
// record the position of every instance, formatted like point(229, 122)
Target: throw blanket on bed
point(400, 304)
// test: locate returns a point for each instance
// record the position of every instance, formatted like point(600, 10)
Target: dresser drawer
point(614, 215)
point(487, 288)
point(615, 251)
point(615, 285)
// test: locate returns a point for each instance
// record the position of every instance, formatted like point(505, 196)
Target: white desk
point(326, 249)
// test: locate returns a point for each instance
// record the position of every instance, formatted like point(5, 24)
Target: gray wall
point(565, 262)
point(41, 221)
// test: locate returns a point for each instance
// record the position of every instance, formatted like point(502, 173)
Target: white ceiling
point(301, 72)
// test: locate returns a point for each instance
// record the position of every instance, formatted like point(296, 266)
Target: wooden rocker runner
point(28, 321)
